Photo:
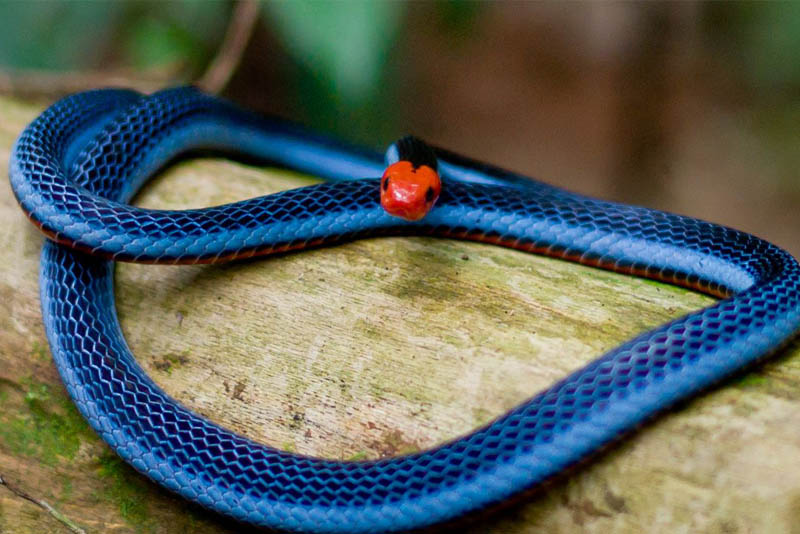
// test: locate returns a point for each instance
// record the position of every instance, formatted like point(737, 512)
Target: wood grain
point(372, 349)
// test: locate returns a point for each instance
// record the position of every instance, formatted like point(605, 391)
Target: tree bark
point(371, 349)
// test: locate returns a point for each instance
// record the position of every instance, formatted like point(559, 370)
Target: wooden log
point(372, 349)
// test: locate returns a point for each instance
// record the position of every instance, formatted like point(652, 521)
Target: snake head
point(411, 186)
point(409, 192)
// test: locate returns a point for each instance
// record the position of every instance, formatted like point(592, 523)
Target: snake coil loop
point(76, 166)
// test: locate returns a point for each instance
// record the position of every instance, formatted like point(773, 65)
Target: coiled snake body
point(75, 168)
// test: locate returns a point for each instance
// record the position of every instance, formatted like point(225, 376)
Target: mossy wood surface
point(372, 349)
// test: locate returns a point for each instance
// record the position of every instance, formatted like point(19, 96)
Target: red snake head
point(409, 192)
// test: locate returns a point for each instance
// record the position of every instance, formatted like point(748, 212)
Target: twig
point(61, 518)
point(233, 45)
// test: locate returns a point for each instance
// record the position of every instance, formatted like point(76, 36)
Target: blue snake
point(75, 168)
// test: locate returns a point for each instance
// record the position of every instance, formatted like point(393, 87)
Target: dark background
point(689, 107)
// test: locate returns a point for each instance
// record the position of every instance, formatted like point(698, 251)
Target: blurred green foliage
point(80, 35)
point(54, 36)
point(760, 38)
point(340, 49)
point(341, 52)
point(175, 32)
point(760, 44)
point(343, 45)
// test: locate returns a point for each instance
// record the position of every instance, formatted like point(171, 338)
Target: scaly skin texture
point(73, 168)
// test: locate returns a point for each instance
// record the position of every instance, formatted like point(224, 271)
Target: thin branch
point(240, 28)
point(61, 518)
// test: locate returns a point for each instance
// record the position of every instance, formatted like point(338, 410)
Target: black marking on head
point(429, 195)
point(386, 184)
point(416, 151)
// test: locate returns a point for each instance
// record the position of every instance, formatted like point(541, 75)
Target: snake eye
point(429, 195)
point(386, 184)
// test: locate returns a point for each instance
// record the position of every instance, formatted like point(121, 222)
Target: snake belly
point(75, 167)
